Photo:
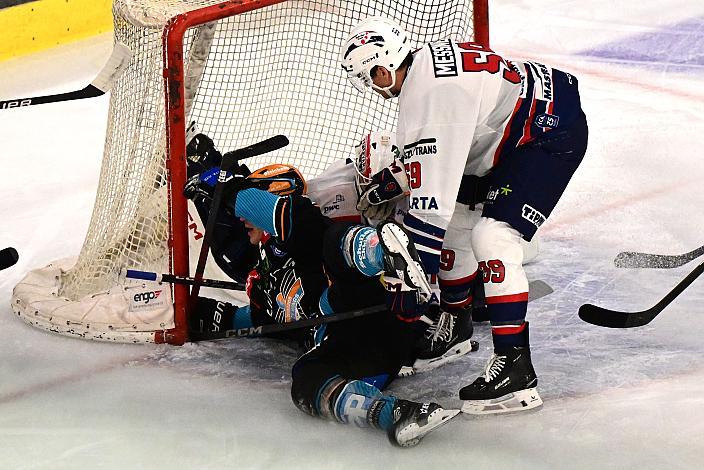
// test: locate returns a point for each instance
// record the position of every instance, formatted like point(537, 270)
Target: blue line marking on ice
point(675, 48)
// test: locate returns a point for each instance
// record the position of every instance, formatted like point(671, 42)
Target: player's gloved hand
point(201, 153)
point(407, 304)
point(377, 199)
point(201, 185)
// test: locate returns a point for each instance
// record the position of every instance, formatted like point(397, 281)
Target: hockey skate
point(401, 260)
point(508, 384)
point(446, 340)
point(412, 421)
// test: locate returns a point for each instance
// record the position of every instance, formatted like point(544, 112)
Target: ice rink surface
point(626, 399)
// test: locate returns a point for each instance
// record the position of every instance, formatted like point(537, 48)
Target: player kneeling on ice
point(467, 113)
point(324, 267)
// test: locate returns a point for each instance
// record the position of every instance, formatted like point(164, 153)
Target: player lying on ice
point(335, 192)
point(465, 111)
point(311, 265)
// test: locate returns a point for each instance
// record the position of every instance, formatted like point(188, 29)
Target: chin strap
point(387, 89)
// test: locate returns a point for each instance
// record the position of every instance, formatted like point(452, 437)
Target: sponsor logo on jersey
point(543, 73)
point(443, 55)
point(420, 148)
point(330, 208)
point(424, 203)
point(289, 299)
point(547, 120)
point(533, 215)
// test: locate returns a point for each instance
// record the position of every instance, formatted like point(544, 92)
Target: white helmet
point(376, 41)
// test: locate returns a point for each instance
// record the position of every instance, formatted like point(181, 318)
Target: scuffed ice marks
point(245, 360)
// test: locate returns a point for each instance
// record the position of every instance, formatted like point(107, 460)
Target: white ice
point(613, 398)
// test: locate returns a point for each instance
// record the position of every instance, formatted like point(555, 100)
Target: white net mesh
point(251, 76)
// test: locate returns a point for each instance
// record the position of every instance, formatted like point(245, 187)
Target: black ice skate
point(508, 384)
point(446, 340)
point(401, 260)
point(412, 421)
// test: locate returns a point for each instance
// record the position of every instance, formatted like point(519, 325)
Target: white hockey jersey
point(462, 107)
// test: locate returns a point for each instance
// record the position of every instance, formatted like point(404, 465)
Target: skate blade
point(517, 401)
point(451, 355)
point(411, 435)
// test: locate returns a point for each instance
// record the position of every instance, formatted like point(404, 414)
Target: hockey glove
point(201, 186)
point(201, 154)
point(385, 188)
point(407, 305)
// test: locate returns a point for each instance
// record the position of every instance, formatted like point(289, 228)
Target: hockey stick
point(154, 277)
point(279, 327)
point(616, 319)
point(117, 62)
point(537, 290)
point(8, 257)
point(635, 259)
point(229, 161)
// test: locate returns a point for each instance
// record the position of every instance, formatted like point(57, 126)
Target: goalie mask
point(376, 41)
point(279, 179)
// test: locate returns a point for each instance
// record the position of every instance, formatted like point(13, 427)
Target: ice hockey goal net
point(243, 70)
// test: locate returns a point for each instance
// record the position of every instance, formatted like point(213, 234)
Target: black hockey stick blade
point(616, 319)
point(8, 257)
point(116, 64)
point(635, 259)
point(265, 146)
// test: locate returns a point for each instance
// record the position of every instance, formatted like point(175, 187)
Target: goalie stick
point(616, 319)
point(117, 62)
point(636, 259)
point(536, 290)
point(229, 161)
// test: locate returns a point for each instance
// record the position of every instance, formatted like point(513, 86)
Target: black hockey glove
point(407, 305)
point(202, 155)
point(200, 188)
